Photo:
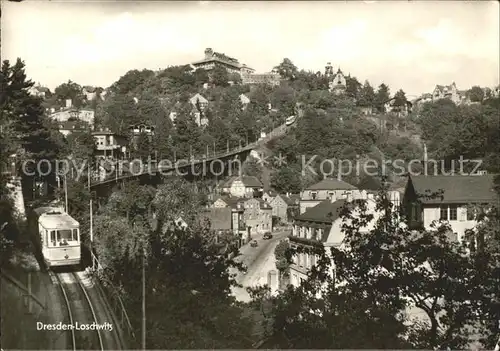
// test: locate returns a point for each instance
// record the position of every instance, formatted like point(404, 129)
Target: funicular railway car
point(59, 235)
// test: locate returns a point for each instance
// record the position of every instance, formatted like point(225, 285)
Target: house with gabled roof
point(258, 216)
point(453, 199)
point(269, 195)
point(285, 206)
point(236, 205)
point(243, 186)
point(214, 59)
point(198, 99)
point(39, 91)
point(337, 83)
point(324, 190)
point(322, 225)
point(447, 92)
point(199, 104)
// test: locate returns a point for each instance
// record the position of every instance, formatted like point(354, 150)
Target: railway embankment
point(28, 299)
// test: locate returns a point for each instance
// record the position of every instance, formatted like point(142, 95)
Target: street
point(259, 261)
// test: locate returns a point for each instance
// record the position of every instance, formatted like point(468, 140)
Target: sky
point(408, 45)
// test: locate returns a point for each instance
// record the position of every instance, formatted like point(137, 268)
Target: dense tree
point(186, 136)
point(220, 76)
point(452, 131)
point(201, 76)
point(287, 69)
point(252, 167)
point(70, 90)
point(143, 149)
point(476, 94)
point(280, 253)
point(287, 179)
point(353, 87)
point(400, 99)
point(381, 97)
point(384, 272)
point(366, 96)
point(131, 82)
point(25, 115)
point(118, 112)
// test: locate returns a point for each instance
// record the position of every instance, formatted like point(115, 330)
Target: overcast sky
point(408, 45)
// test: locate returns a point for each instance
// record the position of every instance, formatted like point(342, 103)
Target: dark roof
point(369, 183)
point(251, 181)
point(456, 189)
point(324, 212)
point(331, 184)
point(228, 183)
point(231, 201)
point(70, 125)
point(220, 218)
point(271, 193)
point(264, 204)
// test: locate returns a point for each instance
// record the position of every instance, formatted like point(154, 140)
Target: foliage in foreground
point(361, 297)
point(188, 279)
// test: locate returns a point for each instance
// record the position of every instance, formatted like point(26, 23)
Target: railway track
point(84, 333)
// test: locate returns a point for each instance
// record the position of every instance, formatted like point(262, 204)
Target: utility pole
point(143, 296)
point(66, 193)
point(214, 149)
point(227, 145)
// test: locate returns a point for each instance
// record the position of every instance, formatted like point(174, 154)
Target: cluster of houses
point(199, 105)
point(461, 198)
point(451, 92)
point(243, 208)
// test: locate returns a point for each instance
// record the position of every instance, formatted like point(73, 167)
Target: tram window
point(75, 234)
point(64, 235)
point(53, 237)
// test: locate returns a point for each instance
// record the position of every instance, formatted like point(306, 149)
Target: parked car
point(254, 243)
point(268, 235)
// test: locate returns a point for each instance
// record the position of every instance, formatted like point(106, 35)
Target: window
point(443, 213)
point(453, 213)
point(313, 195)
point(64, 235)
point(330, 195)
point(53, 237)
point(75, 234)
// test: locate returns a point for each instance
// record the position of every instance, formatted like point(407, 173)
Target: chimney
point(69, 103)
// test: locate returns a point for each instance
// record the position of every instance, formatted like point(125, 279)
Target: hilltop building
point(337, 83)
point(213, 59)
